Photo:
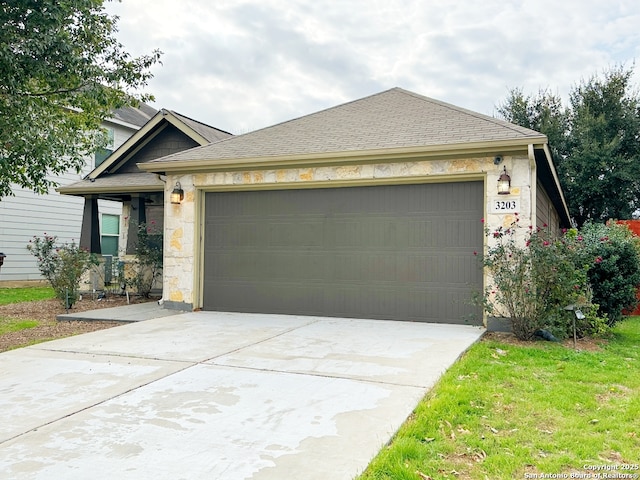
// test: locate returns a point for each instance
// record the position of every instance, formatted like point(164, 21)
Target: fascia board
point(113, 190)
point(338, 158)
point(186, 129)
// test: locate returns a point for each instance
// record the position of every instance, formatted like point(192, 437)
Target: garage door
point(399, 252)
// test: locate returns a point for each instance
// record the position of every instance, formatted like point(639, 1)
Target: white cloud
point(241, 65)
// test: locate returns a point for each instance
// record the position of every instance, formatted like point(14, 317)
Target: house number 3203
point(499, 205)
point(505, 205)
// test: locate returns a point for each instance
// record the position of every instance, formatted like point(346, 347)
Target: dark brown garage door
point(399, 252)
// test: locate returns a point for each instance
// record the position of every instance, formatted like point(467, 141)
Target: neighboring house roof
point(110, 176)
point(391, 121)
point(135, 115)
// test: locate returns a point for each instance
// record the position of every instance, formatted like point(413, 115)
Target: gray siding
point(402, 252)
point(27, 214)
point(546, 214)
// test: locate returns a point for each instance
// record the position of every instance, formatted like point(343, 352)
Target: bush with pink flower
point(535, 277)
point(62, 265)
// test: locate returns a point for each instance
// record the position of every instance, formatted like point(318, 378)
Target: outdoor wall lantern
point(177, 195)
point(504, 183)
point(2, 257)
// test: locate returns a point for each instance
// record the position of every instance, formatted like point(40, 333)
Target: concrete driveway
point(210, 395)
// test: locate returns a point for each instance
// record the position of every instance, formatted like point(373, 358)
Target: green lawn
point(506, 411)
point(8, 325)
point(28, 294)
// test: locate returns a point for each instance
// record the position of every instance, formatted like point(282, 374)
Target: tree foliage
point(62, 72)
point(595, 141)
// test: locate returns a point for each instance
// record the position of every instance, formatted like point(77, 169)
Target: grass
point(506, 411)
point(27, 294)
point(8, 325)
point(17, 295)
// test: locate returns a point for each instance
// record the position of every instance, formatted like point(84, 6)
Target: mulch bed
point(46, 311)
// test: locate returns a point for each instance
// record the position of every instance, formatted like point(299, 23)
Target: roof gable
point(198, 133)
point(393, 119)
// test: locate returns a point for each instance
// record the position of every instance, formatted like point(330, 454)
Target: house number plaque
point(504, 205)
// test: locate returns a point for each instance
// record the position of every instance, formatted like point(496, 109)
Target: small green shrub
point(62, 265)
point(613, 255)
point(148, 259)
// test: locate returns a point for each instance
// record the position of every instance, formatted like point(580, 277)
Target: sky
point(240, 65)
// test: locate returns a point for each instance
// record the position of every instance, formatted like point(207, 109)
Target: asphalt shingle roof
point(135, 116)
point(117, 182)
point(212, 134)
point(391, 119)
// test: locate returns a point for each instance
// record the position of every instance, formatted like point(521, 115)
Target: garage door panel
point(395, 252)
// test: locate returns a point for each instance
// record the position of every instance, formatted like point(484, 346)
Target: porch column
point(136, 217)
point(90, 233)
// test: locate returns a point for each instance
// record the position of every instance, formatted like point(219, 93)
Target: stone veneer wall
point(179, 281)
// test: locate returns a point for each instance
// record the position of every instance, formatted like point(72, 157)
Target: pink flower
point(482, 220)
point(544, 225)
point(475, 252)
point(598, 259)
point(579, 238)
point(545, 243)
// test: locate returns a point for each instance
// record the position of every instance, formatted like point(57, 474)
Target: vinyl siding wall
point(546, 215)
point(27, 214)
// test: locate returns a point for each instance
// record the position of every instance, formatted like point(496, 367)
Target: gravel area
point(45, 312)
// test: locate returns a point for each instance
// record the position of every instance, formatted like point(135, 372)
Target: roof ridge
point(312, 114)
point(481, 116)
point(197, 121)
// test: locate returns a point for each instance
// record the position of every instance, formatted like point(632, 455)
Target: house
point(140, 194)
point(370, 209)
point(27, 214)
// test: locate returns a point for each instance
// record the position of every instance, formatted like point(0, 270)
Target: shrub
point(613, 255)
point(62, 265)
point(534, 278)
point(148, 259)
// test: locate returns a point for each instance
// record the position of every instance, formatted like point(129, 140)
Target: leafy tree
point(62, 72)
point(602, 171)
point(595, 142)
point(543, 113)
